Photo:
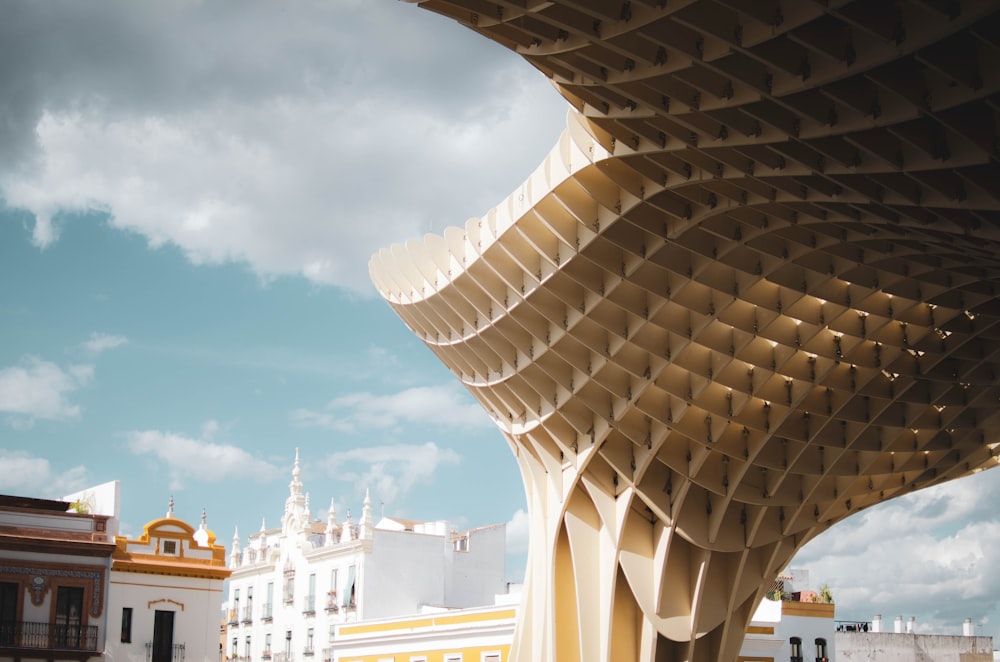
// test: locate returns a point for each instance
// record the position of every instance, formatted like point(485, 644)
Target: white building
point(874, 641)
point(293, 585)
point(165, 594)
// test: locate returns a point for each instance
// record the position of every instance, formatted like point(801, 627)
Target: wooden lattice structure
point(752, 290)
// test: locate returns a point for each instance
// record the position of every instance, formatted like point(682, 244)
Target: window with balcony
point(310, 603)
point(69, 612)
point(248, 610)
point(308, 649)
point(266, 611)
point(235, 613)
point(246, 648)
point(267, 647)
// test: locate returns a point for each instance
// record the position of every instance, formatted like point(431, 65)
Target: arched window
point(796, 649)
point(821, 650)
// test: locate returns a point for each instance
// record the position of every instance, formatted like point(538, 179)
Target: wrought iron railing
point(49, 636)
point(176, 652)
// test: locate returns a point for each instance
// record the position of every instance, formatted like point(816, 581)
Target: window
point(821, 650)
point(453, 657)
point(288, 644)
point(267, 645)
point(69, 611)
point(289, 584)
point(349, 597)
point(333, 632)
point(310, 606)
point(796, 644)
point(9, 592)
point(246, 650)
point(418, 658)
point(126, 625)
point(491, 656)
point(309, 642)
point(170, 547)
point(236, 643)
point(248, 610)
point(236, 605)
point(270, 600)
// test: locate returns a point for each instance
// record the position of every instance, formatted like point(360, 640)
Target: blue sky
point(189, 195)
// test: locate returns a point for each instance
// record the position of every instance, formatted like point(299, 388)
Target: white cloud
point(198, 460)
point(443, 406)
point(303, 155)
point(100, 342)
point(39, 389)
point(27, 475)
point(517, 532)
point(389, 471)
point(931, 554)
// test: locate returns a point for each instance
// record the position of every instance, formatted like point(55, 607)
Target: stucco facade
point(292, 587)
point(54, 567)
point(749, 293)
point(165, 594)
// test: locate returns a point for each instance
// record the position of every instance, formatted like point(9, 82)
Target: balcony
point(281, 657)
point(265, 612)
point(328, 654)
point(331, 601)
point(247, 614)
point(231, 617)
point(176, 653)
point(18, 637)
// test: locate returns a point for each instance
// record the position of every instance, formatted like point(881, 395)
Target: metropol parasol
point(750, 292)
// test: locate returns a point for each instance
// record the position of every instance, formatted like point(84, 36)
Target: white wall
point(195, 603)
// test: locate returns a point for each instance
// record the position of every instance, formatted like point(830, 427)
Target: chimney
point(877, 623)
point(911, 625)
point(967, 630)
point(898, 625)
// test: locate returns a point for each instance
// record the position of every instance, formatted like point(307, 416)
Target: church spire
point(234, 553)
point(366, 526)
point(296, 517)
point(331, 525)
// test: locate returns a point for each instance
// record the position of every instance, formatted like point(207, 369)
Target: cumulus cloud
point(517, 532)
point(101, 342)
point(390, 471)
point(40, 389)
point(931, 554)
point(274, 135)
point(198, 460)
point(445, 406)
point(28, 475)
